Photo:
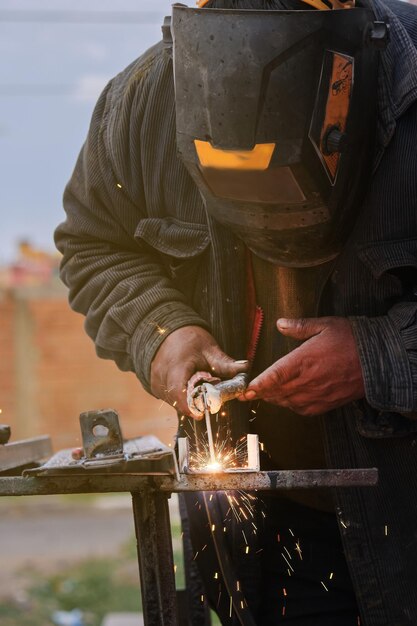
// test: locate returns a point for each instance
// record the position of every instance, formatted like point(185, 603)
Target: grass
point(95, 586)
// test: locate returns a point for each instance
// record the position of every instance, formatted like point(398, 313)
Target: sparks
point(213, 467)
point(331, 576)
point(386, 530)
point(119, 186)
point(298, 550)
point(324, 585)
point(287, 561)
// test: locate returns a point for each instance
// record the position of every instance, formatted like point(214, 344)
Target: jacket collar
point(397, 82)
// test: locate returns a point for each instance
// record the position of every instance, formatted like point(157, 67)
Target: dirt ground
point(47, 534)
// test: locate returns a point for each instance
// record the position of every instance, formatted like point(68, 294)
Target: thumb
point(301, 328)
point(222, 365)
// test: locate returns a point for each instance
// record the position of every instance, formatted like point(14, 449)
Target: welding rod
point(209, 431)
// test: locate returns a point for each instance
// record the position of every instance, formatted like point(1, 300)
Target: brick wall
point(49, 374)
point(7, 359)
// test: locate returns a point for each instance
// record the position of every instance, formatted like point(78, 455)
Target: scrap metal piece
point(101, 433)
point(5, 433)
point(21, 453)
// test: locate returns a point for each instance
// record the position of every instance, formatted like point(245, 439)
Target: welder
point(245, 202)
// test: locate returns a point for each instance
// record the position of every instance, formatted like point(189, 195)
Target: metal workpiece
point(212, 396)
point(155, 556)
point(215, 465)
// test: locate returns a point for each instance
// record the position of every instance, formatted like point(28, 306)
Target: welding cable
point(230, 580)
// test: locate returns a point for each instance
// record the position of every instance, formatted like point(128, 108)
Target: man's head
point(270, 123)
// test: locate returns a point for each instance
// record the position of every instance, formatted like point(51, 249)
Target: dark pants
point(294, 572)
point(305, 580)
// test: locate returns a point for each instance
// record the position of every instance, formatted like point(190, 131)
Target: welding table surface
point(257, 481)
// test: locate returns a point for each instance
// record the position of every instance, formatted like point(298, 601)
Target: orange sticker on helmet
point(337, 106)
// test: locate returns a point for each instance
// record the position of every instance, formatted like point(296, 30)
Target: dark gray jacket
point(140, 254)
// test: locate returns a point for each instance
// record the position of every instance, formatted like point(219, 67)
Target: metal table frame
point(150, 495)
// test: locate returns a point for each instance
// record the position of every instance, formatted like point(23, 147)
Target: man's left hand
point(321, 374)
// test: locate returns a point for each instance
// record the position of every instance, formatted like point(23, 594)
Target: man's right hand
point(183, 353)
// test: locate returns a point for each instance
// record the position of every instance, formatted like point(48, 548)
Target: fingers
point(222, 365)
point(280, 373)
point(303, 328)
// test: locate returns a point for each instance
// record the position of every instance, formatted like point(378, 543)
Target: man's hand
point(320, 375)
point(183, 353)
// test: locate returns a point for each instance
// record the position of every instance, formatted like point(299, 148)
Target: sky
point(51, 75)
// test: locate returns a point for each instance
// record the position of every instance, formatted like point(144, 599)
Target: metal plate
point(142, 456)
point(20, 453)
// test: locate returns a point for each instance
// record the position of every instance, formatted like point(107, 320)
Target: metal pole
point(48, 484)
point(156, 563)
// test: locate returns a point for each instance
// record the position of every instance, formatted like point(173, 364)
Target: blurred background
point(69, 560)
point(57, 55)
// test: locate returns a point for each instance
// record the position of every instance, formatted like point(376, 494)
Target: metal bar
point(21, 453)
point(156, 563)
point(259, 481)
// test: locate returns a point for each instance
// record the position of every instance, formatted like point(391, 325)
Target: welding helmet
point(275, 114)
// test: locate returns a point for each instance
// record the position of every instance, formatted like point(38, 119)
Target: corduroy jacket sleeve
point(388, 352)
point(115, 280)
